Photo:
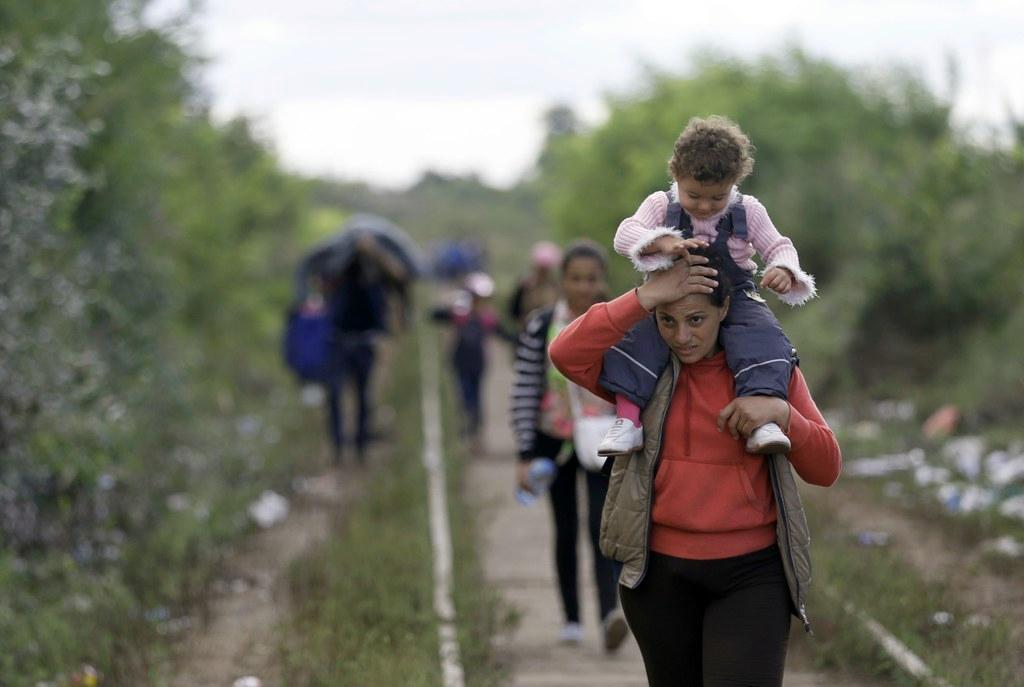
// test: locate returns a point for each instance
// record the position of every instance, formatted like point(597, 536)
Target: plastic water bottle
point(542, 474)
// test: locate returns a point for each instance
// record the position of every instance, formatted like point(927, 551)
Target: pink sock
point(625, 408)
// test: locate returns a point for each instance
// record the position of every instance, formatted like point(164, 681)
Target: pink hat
point(545, 254)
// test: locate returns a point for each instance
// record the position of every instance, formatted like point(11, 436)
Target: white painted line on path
point(897, 650)
point(440, 530)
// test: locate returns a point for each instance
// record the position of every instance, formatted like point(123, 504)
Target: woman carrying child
point(704, 208)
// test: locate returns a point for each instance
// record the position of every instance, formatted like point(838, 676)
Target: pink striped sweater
point(636, 233)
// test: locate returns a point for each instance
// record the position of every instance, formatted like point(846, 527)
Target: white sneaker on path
point(571, 633)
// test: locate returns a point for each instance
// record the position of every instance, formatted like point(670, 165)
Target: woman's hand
point(688, 276)
point(778, 279)
point(745, 414)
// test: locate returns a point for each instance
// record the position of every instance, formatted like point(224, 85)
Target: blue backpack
point(308, 338)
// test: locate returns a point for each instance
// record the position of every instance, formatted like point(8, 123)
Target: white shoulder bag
point(587, 431)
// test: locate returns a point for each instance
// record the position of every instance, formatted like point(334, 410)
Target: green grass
point(880, 583)
point(364, 602)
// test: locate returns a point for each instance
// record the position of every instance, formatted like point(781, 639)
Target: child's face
point(701, 199)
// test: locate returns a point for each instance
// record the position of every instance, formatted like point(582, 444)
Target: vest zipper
point(781, 501)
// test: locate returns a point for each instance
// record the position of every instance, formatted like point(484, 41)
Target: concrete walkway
point(517, 561)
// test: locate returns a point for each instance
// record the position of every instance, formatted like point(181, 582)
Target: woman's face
point(582, 283)
point(690, 326)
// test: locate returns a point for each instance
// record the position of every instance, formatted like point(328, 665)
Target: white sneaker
point(572, 633)
point(768, 438)
point(623, 437)
point(615, 629)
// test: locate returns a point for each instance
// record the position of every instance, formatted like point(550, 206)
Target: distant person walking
point(357, 303)
point(474, 322)
point(539, 288)
point(712, 537)
point(543, 420)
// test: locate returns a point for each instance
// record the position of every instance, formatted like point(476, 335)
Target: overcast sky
point(382, 89)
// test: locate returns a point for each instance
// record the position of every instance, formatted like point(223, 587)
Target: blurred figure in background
point(357, 304)
point(474, 321)
point(539, 288)
point(544, 421)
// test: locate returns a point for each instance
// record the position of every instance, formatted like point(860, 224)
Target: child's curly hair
point(712, 150)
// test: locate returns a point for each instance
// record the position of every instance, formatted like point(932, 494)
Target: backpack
point(308, 338)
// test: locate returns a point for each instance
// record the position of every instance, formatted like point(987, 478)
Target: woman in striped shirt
point(543, 418)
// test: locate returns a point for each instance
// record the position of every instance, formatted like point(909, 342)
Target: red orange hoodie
point(712, 499)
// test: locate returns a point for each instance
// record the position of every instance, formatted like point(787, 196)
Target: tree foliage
point(144, 260)
point(911, 229)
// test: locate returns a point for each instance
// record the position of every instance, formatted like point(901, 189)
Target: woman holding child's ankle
point(703, 208)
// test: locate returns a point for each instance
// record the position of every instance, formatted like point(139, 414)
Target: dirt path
point(935, 554)
point(250, 599)
point(516, 557)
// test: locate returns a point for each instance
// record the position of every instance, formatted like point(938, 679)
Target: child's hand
point(672, 245)
point(778, 279)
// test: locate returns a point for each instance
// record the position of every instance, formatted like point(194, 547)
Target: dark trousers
point(470, 381)
point(564, 508)
point(354, 363)
point(711, 623)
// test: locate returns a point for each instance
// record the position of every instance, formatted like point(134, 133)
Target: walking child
point(704, 208)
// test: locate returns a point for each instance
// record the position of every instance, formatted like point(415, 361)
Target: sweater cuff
point(654, 261)
point(803, 288)
point(625, 311)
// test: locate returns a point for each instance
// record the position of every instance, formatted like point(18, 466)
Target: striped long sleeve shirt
point(529, 382)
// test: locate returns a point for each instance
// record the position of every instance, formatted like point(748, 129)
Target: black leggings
point(711, 623)
point(565, 511)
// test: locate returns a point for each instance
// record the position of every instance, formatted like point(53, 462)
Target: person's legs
point(604, 571)
point(333, 390)
point(746, 628)
point(469, 386)
point(476, 414)
point(665, 614)
point(758, 352)
point(627, 410)
point(362, 357)
point(563, 507)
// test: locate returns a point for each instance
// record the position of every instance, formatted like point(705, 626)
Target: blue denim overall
point(756, 349)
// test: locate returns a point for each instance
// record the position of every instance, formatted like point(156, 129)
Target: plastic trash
point(965, 454)
point(978, 620)
point(542, 474)
point(942, 618)
point(269, 509)
point(884, 465)
point(929, 474)
point(967, 499)
point(1002, 468)
point(893, 490)
point(1013, 507)
point(873, 538)
point(1005, 546)
point(942, 422)
point(891, 410)
point(248, 681)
